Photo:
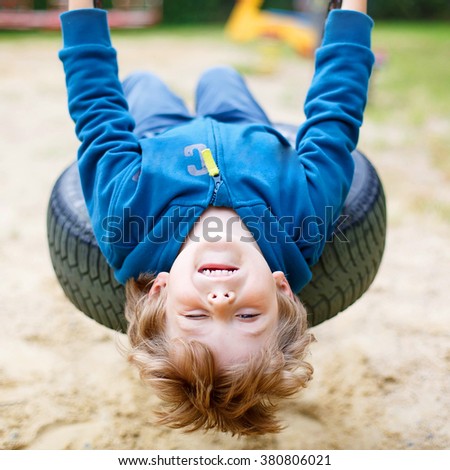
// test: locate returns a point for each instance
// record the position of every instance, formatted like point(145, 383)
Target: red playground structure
point(44, 14)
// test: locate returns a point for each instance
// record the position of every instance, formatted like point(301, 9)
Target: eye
point(195, 316)
point(247, 316)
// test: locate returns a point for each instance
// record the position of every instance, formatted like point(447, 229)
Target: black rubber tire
point(349, 263)
point(344, 272)
point(79, 265)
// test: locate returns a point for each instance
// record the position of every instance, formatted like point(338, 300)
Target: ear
point(282, 283)
point(161, 281)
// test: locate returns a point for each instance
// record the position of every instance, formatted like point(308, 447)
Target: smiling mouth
point(216, 270)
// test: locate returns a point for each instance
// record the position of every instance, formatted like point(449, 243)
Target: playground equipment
point(343, 274)
point(248, 22)
point(44, 14)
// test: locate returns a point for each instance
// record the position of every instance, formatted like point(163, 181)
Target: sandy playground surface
point(381, 367)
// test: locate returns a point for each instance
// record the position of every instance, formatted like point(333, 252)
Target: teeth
point(218, 272)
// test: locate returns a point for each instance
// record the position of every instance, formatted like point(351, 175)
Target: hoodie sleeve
point(109, 152)
point(334, 110)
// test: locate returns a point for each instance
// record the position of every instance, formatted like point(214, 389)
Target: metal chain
point(334, 5)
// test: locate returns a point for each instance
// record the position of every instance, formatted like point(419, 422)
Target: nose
point(221, 298)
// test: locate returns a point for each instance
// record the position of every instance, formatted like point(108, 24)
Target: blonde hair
point(240, 399)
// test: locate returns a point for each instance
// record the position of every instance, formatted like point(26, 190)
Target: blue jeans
point(221, 94)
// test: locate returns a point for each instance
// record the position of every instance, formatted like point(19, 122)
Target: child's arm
point(109, 153)
point(334, 112)
point(79, 4)
point(356, 5)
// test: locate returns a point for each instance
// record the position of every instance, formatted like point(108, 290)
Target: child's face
point(223, 294)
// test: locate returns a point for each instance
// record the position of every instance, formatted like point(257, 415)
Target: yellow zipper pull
point(210, 164)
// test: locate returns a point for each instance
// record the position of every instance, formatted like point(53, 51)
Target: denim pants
point(221, 94)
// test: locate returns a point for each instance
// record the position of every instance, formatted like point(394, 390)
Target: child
point(213, 221)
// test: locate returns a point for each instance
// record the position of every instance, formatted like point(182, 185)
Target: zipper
point(217, 183)
point(213, 171)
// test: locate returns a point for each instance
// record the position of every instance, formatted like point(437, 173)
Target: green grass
point(13, 36)
point(410, 91)
point(181, 31)
point(415, 77)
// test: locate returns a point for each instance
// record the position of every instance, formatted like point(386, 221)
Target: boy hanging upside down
point(212, 220)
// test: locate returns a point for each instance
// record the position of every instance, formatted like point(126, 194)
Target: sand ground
point(381, 367)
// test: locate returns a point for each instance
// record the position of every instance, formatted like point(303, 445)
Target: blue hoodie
point(144, 196)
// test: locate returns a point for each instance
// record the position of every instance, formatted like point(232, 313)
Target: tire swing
point(346, 269)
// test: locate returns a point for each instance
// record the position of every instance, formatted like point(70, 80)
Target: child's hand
point(357, 5)
point(78, 4)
